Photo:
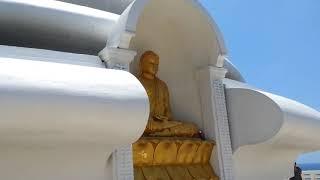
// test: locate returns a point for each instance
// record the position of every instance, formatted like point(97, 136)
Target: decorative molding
point(116, 58)
point(215, 118)
point(222, 131)
point(123, 163)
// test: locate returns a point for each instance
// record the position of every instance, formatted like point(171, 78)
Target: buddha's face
point(150, 65)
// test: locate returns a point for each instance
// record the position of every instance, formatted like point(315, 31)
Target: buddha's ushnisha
point(161, 122)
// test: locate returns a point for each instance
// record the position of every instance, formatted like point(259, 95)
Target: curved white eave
point(54, 25)
point(260, 116)
point(47, 104)
point(268, 132)
point(65, 114)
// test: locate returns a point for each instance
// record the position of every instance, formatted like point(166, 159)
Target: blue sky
point(276, 46)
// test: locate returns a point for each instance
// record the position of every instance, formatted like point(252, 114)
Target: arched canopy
point(129, 20)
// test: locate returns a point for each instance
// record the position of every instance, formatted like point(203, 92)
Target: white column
point(215, 118)
point(117, 58)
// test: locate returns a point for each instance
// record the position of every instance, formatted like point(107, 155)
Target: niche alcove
point(187, 40)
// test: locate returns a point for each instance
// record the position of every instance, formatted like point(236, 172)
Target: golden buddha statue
point(161, 122)
point(169, 149)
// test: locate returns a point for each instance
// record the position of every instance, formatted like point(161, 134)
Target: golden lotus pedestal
point(173, 159)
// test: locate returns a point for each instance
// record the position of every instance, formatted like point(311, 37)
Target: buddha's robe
point(160, 121)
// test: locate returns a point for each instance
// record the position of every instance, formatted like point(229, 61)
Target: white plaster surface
point(268, 132)
point(62, 121)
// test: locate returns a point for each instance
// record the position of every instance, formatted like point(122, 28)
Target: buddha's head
point(149, 63)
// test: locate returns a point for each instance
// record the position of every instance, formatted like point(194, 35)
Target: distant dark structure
point(297, 173)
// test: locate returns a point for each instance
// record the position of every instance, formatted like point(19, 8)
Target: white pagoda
point(71, 105)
